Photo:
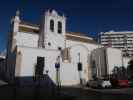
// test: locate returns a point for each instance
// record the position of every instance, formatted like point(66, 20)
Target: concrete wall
point(114, 58)
point(98, 57)
point(106, 59)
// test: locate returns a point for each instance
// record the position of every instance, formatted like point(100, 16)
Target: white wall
point(98, 56)
point(56, 40)
point(69, 72)
point(74, 60)
point(29, 60)
point(114, 58)
point(126, 60)
point(89, 46)
point(85, 50)
point(27, 39)
point(106, 58)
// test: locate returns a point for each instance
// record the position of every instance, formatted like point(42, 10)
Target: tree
point(119, 72)
point(115, 72)
point(123, 72)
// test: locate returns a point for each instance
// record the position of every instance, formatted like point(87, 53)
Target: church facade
point(49, 49)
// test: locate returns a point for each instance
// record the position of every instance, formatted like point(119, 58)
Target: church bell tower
point(54, 30)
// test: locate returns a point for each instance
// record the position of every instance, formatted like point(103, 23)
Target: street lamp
point(80, 70)
point(57, 67)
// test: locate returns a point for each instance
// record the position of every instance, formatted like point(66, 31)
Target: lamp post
point(57, 67)
point(80, 70)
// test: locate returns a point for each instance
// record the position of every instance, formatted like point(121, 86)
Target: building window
point(59, 27)
point(52, 25)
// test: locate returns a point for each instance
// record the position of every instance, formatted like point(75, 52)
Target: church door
point(40, 66)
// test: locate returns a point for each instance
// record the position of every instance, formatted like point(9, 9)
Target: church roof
point(29, 23)
point(79, 37)
point(29, 27)
point(75, 36)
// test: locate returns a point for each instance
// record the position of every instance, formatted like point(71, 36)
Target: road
point(113, 94)
point(3, 83)
point(103, 94)
point(65, 93)
point(120, 91)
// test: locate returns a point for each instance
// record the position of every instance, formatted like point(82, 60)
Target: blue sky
point(85, 16)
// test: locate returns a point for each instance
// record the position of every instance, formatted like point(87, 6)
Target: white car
point(106, 84)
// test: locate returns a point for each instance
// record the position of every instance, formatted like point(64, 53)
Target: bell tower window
point(52, 25)
point(59, 27)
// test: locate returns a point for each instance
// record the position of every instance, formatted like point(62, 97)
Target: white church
point(48, 49)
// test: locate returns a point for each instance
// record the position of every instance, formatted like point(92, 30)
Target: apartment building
point(122, 40)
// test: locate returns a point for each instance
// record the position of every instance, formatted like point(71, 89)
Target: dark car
point(99, 83)
point(130, 83)
point(95, 83)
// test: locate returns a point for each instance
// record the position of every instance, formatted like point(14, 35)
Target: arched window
point(52, 25)
point(59, 27)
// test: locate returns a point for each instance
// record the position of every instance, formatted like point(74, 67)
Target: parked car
point(99, 83)
point(130, 82)
point(114, 82)
point(106, 84)
point(123, 83)
point(119, 82)
point(95, 83)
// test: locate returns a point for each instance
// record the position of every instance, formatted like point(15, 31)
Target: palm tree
point(115, 71)
point(119, 72)
point(123, 72)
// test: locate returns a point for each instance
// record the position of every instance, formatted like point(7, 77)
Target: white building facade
point(104, 60)
point(36, 49)
point(122, 40)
